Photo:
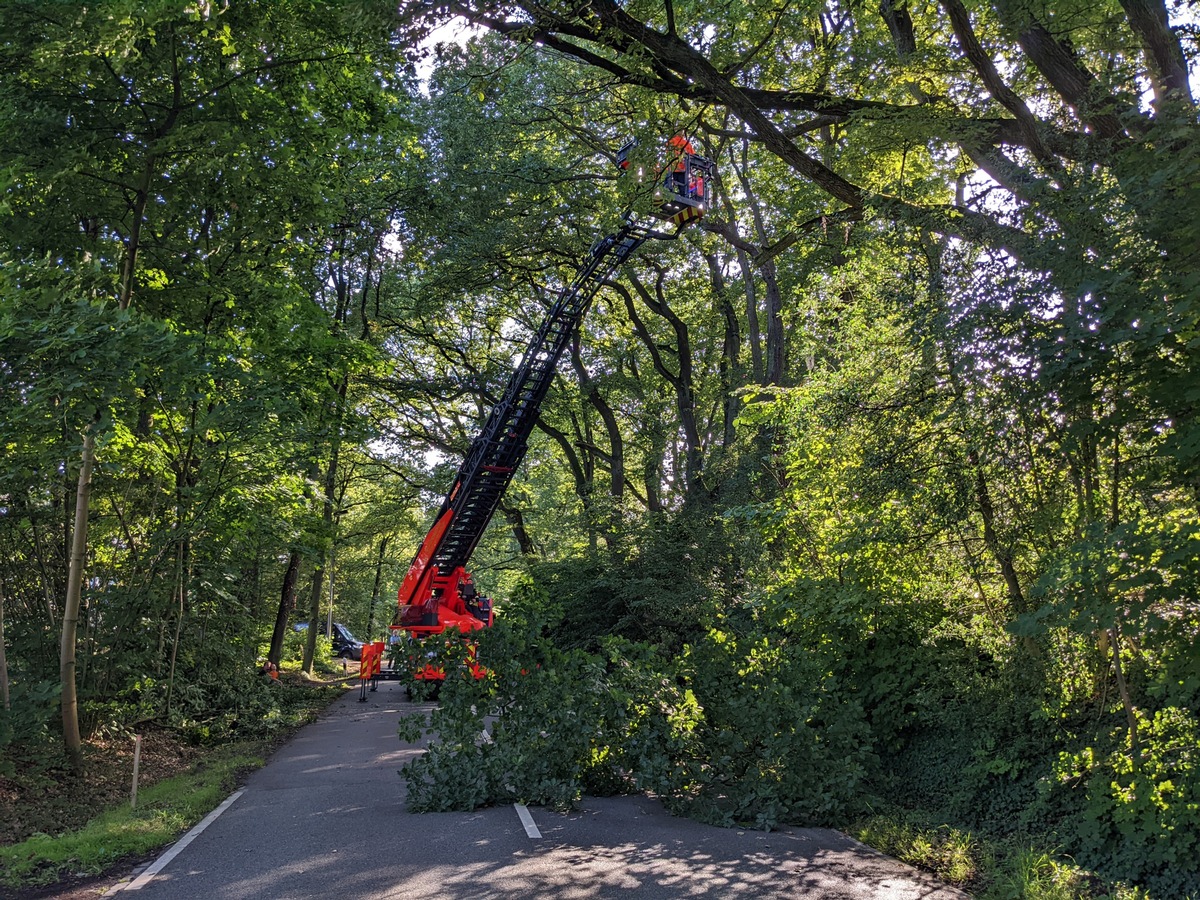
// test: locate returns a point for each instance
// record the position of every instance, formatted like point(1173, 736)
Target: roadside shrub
point(780, 741)
point(32, 705)
point(978, 752)
point(1141, 818)
point(953, 855)
point(26, 722)
point(293, 648)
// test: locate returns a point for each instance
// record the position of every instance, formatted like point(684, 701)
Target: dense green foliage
point(179, 302)
point(876, 492)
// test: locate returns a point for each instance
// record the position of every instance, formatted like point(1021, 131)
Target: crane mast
point(437, 592)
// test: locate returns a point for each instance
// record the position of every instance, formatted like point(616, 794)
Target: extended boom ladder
point(437, 591)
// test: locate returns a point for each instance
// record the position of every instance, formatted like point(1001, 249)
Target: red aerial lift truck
point(438, 594)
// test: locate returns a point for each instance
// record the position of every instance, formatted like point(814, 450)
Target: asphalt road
point(326, 818)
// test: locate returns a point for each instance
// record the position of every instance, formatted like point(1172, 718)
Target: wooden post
point(137, 761)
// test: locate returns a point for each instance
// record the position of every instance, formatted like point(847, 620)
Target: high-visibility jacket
point(680, 146)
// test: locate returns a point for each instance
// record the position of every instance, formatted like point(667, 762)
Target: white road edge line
point(527, 820)
point(161, 863)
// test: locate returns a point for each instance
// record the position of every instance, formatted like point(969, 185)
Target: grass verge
point(1013, 868)
point(164, 811)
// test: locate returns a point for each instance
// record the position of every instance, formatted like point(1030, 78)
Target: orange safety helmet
point(680, 146)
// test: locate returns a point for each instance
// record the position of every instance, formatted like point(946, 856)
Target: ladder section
point(500, 447)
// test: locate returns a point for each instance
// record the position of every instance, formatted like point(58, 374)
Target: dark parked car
point(345, 645)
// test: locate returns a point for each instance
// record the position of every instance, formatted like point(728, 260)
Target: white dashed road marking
point(527, 820)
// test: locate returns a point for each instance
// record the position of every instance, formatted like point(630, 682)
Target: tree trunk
point(4, 701)
point(776, 354)
point(1135, 747)
point(1168, 64)
point(516, 521)
point(383, 542)
point(46, 577)
point(72, 739)
point(583, 488)
point(314, 617)
point(730, 366)
point(287, 602)
point(681, 382)
point(616, 444)
point(181, 593)
point(1000, 552)
point(332, 572)
point(776, 338)
point(753, 335)
point(327, 516)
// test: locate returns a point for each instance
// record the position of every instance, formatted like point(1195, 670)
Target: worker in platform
point(680, 148)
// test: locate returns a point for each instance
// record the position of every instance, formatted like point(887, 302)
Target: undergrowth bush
point(293, 648)
point(1140, 820)
point(821, 701)
point(242, 704)
point(31, 708)
point(978, 753)
point(953, 855)
point(780, 742)
point(992, 752)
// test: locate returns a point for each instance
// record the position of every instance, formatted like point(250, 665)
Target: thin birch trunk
point(72, 739)
point(3, 658)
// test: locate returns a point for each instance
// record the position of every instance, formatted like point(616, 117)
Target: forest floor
point(53, 800)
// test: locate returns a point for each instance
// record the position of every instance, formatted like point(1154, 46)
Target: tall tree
point(175, 143)
point(1090, 142)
